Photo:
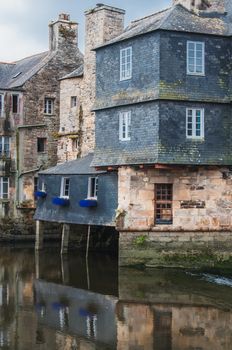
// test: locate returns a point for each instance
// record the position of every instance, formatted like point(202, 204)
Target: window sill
point(200, 139)
point(196, 74)
point(125, 79)
point(49, 114)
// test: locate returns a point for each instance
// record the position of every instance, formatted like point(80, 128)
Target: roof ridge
point(36, 54)
point(152, 14)
point(10, 63)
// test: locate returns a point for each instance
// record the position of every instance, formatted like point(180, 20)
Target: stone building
point(77, 89)
point(29, 115)
point(163, 121)
point(162, 124)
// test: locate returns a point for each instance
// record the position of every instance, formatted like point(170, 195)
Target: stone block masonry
point(201, 229)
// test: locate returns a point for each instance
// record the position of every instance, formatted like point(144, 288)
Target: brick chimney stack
point(63, 33)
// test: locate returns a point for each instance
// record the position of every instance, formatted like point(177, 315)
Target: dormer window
point(195, 58)
point(126, 63)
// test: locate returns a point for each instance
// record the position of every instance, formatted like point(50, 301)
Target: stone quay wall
point(201, 231)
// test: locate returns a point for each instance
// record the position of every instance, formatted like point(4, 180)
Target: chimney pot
point(64, 17)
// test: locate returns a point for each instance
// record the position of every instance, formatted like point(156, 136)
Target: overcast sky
point(24, 23)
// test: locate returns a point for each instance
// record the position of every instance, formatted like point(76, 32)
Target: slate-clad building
point(91, 195)
point(29, 116)
point(163, 121)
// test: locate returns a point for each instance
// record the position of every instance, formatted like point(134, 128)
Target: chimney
point(63, 33)
point(102, 23)
point(218, 6)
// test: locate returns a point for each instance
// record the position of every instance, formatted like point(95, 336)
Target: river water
point(49, 302)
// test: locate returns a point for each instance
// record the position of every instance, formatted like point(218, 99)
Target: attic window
point(16, 75)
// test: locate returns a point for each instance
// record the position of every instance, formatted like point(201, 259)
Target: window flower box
point(88, 203)
point(40, 194)
point(63, 202)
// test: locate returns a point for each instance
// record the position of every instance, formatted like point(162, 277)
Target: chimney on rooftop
point(63, 33)
point(220, 6)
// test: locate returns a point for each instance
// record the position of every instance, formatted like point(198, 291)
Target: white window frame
point(1, 105)
point(63, 187)
point(3, 180)
point(43, 187)
point(3, 138)
point(126, 67)
point(195, 43)
point(193, 122)
point(124, 126)
point(48, 109)
point(91, 195)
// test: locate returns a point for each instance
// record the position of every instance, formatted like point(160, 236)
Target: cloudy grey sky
point(24, 23)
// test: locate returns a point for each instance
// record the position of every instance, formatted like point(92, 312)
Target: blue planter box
point(88, 203)
point(63, 202)
point(40, 194)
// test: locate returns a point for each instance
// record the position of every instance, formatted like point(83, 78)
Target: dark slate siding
point(175, 148)
point(103, 214)
point(143, 86)
point(176, 84)
point(143, 145)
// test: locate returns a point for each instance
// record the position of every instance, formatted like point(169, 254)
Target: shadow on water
point(49, 302)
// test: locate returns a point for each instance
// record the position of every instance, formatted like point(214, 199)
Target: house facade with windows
point(163, 122)
point(29, 116)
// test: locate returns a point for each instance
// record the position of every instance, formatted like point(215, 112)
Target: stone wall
point(201, 232)
point(202, 198)
point(71, 120)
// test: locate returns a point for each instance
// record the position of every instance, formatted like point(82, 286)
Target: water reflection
point(63, 304)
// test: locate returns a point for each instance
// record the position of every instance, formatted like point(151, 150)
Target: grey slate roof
point(75, 74)
point(79, 166)
point(22, 70)
point(176, 18)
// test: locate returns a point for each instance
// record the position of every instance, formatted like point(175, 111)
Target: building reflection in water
point(51, 303)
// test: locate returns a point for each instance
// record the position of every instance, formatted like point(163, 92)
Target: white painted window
point(65, 187)
point(5, 146)
point(48, 106)
point(93, 187)
point(73, 101)
point(195, 57)
point(195, 123)
point(4, 187)
point(1, 105)
point(126, 63)
point(124, 126)
point(15, 103)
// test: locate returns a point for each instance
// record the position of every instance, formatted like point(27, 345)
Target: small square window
point(41, 144)
point(73, 101)
point(49, 106)
point(93, 187)
point(65, 187)
point(15, 103)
